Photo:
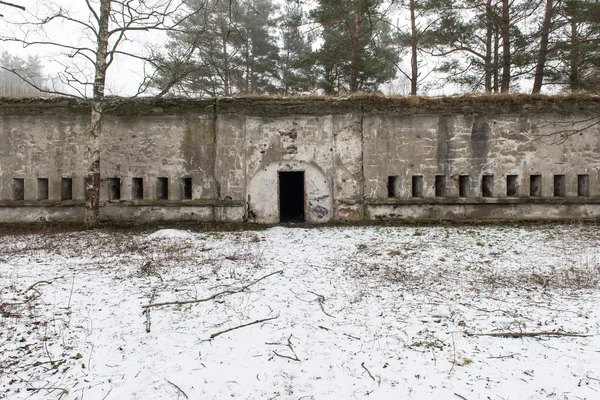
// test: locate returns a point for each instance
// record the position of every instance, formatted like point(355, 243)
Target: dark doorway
point(291, 196)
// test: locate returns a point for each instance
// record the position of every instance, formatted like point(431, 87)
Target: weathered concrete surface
point(349, 150)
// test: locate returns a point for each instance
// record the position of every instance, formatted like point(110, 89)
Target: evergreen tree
point(483, 43)
point(226, 49)
point(357, 51)
point(574, 61)
point(297, 63)
point(11, 84)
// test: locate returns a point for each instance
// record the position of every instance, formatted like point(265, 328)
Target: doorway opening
point(291, 196)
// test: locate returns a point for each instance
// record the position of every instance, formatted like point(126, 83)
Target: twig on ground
point(104, 398)
point(258, 321)
point(178, 388)
point(529, 334)
point(290, 346)
point(368, 372)
point(147, 310)
point(507, 356)
point(214, 296)
point(459, 396)
point(453, 356)
point(71, 294)
point(38, 283)
point(321, 301)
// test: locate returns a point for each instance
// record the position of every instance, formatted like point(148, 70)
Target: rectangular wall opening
point(114, 189)
point(186, 188)
point(85, 196)
point(440, 185)
point(42, 188)
point(487, 186)
point(393, 186)
point(583, 185)
point(291, 196)
point(535, 185)
point(417, 186)
point(66, 189)
point(137, 188)
point(559, 186)
point(18, 189)
point(162, 188)
point(463, 185)
point(512, 185)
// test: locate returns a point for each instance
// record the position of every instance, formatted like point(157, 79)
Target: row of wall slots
point(487, 185)
point(114, 188)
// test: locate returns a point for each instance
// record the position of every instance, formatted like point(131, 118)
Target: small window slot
point(559, 186)
point(114, 189)
point(186, 188)
point(535, 185)
point(512, 185)
point(583, 185)
point(66, 189)
point(137, 188)
point(440, 185)
point(393, 186)
point(162, 188)
point(417, 186)
point(42, 188)
point(18, 189)
point(487, 186)
point(463, 185)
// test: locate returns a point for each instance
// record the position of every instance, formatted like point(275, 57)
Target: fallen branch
point(214, 296)
point(528, 334)
point(321, 301)
point(37, 283)
point(258, 321)
point(290, 346)
point(368, 372)
point(460, 397)
point(178, 388)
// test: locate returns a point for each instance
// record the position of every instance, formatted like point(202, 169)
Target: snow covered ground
point(340, 313)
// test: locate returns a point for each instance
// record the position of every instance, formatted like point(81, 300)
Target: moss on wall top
point(273, 106)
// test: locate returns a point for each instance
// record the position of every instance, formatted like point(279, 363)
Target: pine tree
point(226, 49)
point(357, 51)
point(574, 62)
point(297, 63)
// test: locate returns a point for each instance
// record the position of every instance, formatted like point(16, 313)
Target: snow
point(357, 312)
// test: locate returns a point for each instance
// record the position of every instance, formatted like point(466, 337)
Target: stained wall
point(483, 158)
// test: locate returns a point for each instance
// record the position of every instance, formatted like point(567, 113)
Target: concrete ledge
point(147, 211)
point(483, 200)
point(482, 212)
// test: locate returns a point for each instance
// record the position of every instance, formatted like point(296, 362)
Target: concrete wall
point(369, 158)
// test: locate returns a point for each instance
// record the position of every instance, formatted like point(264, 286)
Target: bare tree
point(106, 30)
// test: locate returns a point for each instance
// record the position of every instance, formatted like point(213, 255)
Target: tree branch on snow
point(214, 296)
point(258, 321)
point(530, 334)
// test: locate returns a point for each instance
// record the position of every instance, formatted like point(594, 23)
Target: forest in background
point(333, 47)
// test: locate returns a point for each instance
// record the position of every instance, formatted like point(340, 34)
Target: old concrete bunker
point(313, 160)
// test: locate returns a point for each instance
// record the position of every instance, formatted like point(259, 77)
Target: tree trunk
point(506, 61)
point(355, 58)
point(574, 58)
point(488, 46)
point(414, 66)
point(496, 61)
point(92, 204)
point(543, 54)
point(226, 73)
